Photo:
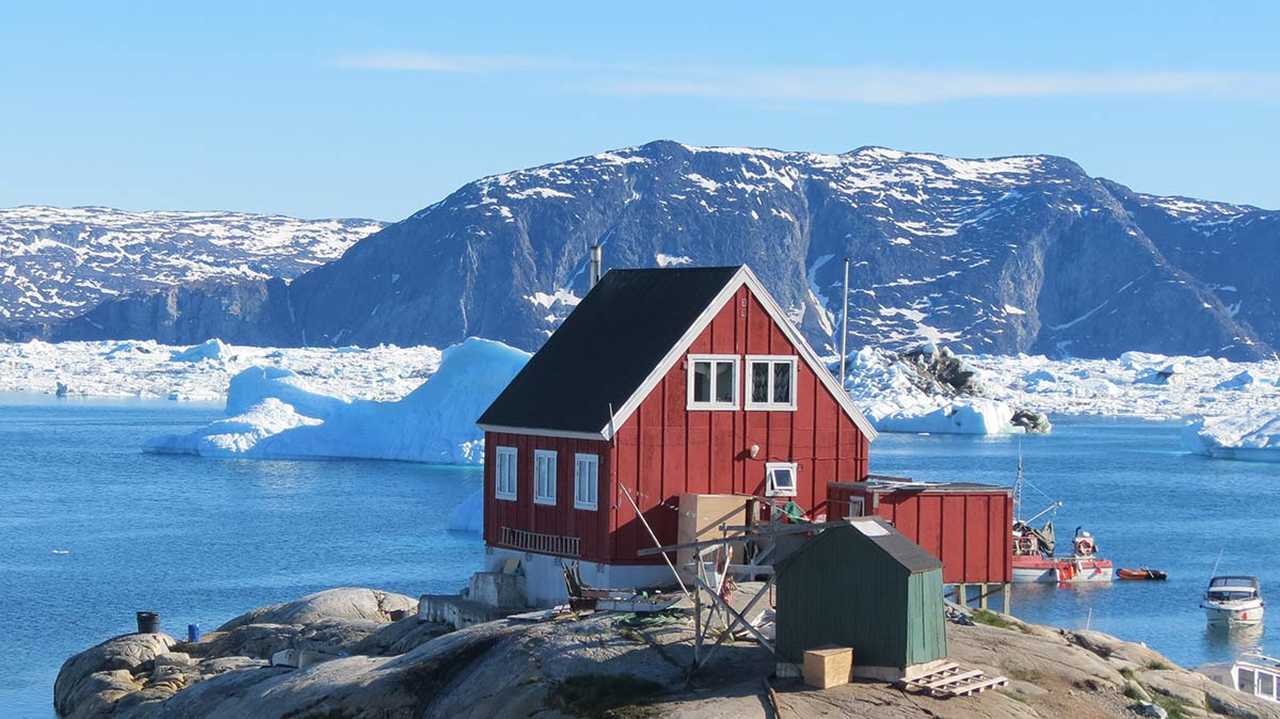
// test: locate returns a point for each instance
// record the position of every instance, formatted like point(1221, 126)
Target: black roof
point(606, 348)
point(905, 552)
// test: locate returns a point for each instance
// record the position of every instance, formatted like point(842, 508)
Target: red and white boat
point(1083, 565)
point(1033, 549)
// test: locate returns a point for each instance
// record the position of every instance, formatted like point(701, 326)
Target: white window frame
point(747, 382)
point(539, 497)
point(770, 489)
point(498, 491)
point(586, 491)
point(713, 405)
point(857, 508)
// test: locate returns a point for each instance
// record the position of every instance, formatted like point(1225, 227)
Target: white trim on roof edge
point(564, 434)
point(744, 276)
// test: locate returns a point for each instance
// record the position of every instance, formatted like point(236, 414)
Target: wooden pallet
point(952, 680)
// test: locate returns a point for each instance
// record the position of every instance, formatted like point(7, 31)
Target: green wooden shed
point(863, 585)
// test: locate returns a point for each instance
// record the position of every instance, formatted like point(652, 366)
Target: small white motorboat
point(1233, 601)
point(1251, 673)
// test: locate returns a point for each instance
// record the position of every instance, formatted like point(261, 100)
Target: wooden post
point(1007, 590)
point(982, 595)
point(962, 595)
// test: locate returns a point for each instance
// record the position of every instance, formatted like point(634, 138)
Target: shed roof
point(880, 533)
point(618, 343)
point(881, 484)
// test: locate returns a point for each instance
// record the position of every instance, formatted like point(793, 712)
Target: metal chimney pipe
point(597, 260)
point(844, 324)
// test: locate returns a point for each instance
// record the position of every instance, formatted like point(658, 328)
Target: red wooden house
point(665, 382)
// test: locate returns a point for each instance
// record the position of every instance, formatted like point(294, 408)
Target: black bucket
point(148, 623)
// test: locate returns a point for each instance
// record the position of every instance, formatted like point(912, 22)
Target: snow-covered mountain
point(1005, 255)
point(60, 262)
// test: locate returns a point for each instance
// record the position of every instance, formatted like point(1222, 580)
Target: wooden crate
point(828, 667)
point(701, 516)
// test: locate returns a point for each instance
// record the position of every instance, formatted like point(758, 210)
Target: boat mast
point(1017, 487)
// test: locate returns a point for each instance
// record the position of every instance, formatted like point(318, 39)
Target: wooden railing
point(544, 543)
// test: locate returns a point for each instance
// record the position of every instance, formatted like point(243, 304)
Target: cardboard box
point(701, 516)
point(828, 667)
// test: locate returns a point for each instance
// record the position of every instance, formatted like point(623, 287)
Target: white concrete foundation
point(544, 574)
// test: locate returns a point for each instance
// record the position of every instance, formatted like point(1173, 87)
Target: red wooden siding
point(665, 450)
point(591, 527)
point(968, 530)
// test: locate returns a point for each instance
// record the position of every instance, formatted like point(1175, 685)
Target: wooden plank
point(976, 687)
point(950, 679)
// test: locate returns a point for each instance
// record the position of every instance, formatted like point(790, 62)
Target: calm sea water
point(199, 541)
point(202, 540)
point(1147, 503)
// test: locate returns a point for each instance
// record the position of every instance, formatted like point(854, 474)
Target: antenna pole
point(844, 324)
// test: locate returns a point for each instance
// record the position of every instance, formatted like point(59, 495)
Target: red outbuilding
point(660, 383)
point(966, 525)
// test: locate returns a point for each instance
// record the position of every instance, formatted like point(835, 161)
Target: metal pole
point(654, 537)
point(844, 323)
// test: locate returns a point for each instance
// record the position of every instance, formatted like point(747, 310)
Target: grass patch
point(604, 696)
point(991, 619)
point(1171, 705)
point(1024, 675)
point(1127, 673)
point(1157, 664)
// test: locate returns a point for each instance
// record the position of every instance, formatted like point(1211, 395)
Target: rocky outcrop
point(605, 664)
point(1003, 255)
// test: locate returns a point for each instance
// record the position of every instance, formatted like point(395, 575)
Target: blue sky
point(321, 109)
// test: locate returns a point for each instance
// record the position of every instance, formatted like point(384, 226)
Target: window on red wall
point(780, 479)
point(544, 476)
point(504, 481)
point(771, 382)
point(713, 382)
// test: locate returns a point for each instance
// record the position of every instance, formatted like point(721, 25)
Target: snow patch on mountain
point(58, 262)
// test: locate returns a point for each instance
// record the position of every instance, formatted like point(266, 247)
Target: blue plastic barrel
point(193, 632)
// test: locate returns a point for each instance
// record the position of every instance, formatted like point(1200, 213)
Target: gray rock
point(1148, 709)
point(341, 603)
point(103, 673)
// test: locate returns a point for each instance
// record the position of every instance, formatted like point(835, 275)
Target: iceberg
point(468, 516)
point(1244, 437)
point(273, 414)
point(961, 416)
point(212, 349)
point(1243, 380)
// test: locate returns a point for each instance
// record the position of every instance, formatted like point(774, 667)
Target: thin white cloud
point(897, 87)
point(438, 63)
point(865, 85)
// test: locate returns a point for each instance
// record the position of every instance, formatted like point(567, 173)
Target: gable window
point(504, 481)
point(771, 382)
point(713, 382)
point(586, 481)
point(544, 476)
point(780, 479)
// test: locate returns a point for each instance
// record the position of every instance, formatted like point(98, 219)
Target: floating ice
point(468, 516)
point(1242, 437)
point(210, 349)
point(275, 415)
point(960, 416)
